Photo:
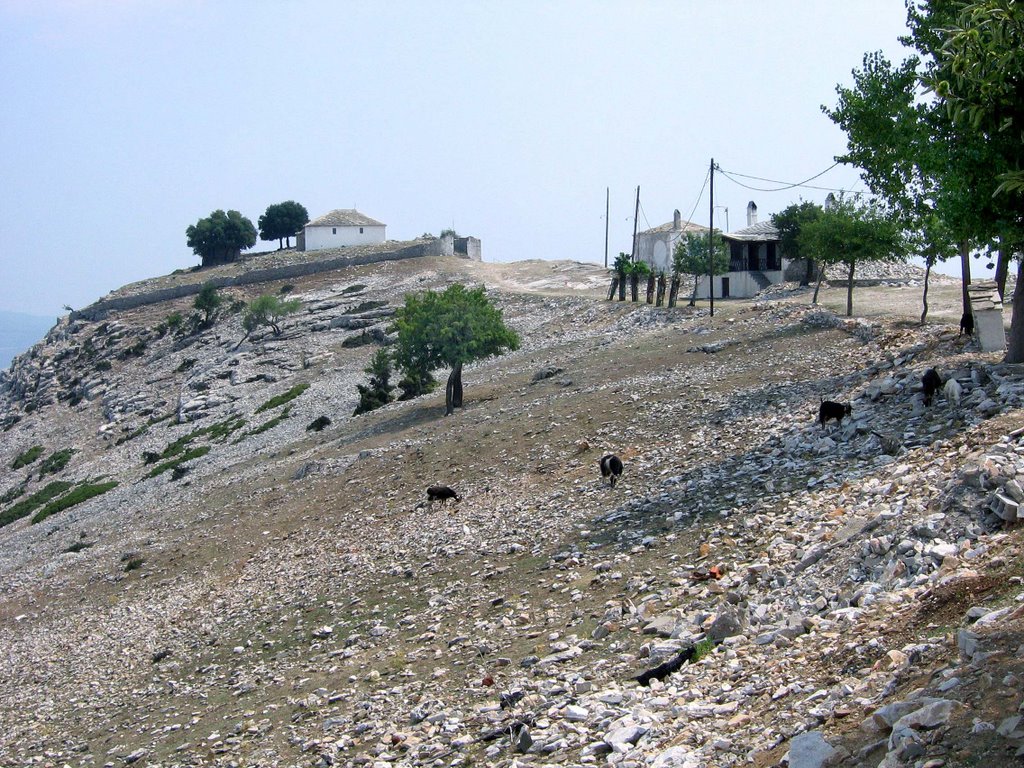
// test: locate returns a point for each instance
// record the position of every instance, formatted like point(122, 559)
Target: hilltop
point(277, 595)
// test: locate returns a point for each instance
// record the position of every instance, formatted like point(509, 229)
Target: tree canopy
point(268, 310)
point(208, 301)
point(691, 258)
point(220, 237)
point(449, 329)
point(849, 233)
point(789, 221)
point(282, 221)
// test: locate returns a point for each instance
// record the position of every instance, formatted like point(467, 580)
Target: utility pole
point(636, 217)
point(607, 200)
point(711, 241)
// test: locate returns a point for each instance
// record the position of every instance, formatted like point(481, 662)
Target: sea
point(19, 331)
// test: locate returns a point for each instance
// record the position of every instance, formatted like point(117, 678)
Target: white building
point(656, 246)
point(340, 228)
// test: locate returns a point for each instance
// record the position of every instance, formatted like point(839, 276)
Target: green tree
point(691, 258)
point(449, 329)
point(849, 233)
point(637, 270)
point(267, 310)
point(378, 391)
point(789, 222)
point(282, 221)
point(207, 302)
point(220, 237)
point(622, 268)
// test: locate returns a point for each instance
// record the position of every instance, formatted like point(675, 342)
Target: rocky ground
point(842, 596)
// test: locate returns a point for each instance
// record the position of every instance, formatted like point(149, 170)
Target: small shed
point(339, 228)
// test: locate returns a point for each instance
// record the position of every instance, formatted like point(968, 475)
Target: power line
point(644, 214)
point(786, 185)
point(699, 195)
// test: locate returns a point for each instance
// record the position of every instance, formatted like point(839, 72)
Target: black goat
point(611, 467)
point(966, 324)
point(931, 383)
point(830, 409)
point(441, 493)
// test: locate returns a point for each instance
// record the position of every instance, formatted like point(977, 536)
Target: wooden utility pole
point(711, 238)
point(636, 216)
point(607, 201)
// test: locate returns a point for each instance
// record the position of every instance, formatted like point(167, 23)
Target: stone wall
point(398, 251)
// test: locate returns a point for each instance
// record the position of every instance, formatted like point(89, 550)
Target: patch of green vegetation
point(187, 363)
point(286, 288)
point(194, 453)
point(55, 462)
point(135, 350)
point(366, 306)
point(354, 288)
point(217, 431)
point(103, 365)
point(272, 423)
point(82, 492)
point(27, 457)
point(132, 435)
point(283, 398)
point(703, 648)
point(79, 545)
point(12, 493)
point(37, 499)
point(132, 560)
point(358, 340)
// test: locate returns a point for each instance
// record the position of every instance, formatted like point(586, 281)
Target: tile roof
point(686, 226)
point(763, 230)
point(345, 217)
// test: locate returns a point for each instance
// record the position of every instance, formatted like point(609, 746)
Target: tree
point(789, 221)
point(691, 258)
point(637, 270)
point(207, 302)
point(378, 391)
point(282, 221)
point(449, 329)
point(622, 268)
point(849, 233)
point(220, 237)
point(267, 310)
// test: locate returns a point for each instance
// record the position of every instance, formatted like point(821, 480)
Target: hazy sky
point(124, 121)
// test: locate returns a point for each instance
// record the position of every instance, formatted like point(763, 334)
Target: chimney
point(677, 220)
point(751, 214)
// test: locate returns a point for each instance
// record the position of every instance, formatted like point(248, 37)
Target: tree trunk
point(457, 387)
point(622, 288)
point(634, 287)
point(817, 287)
point(661, 291)
point(1015, 347)
point(449, 389)
point(924, 296)
point(280, 243)
point(849, 290)
point(965, 267)
point(809, 275)
point(673, 293)
point(650, 288)
point(1002, 267)
point(611, 291)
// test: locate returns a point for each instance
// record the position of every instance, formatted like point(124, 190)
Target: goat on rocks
point(966, 324)
point(441, 493)
point(611, 468)
point(931, 383)
point(953, 391)
point(830, 409)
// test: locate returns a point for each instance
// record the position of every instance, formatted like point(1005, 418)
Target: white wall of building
point(319, 238)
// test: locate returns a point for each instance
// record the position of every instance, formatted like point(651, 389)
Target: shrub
point(286, 288)
point(81, 493)
point(55, 462)
point(377, 391)
point(27, 457)
point(354, 288)
point(285, 397)
point(318, 424)
point(365, 306)
point(103, 365)
point(12, 493)
point(358, 340)
point(195, 453)
point(273, 422)
point(703, 648)
point(187, 363)
point(132, 561)
point(135, 350)
point(78, 546)
point(27, 506)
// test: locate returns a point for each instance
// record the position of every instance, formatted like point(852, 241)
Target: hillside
point(281, 596)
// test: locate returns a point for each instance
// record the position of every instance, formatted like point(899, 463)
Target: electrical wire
point(786, 185)
point(700, 194)
point(644, 214)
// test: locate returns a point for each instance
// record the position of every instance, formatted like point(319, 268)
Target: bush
point(83, 492)
point(12, 493)
point(195, 453)
point(318, 424)
point(27, 457)
point(283, 398)
point(78, 546)
point(354, 288)
point(273, 422)
point(27, 506)
point(132, 561)
point(365, 306)
point(376, 392)
point(703, 648)
point(103, 365)
point(55, 462)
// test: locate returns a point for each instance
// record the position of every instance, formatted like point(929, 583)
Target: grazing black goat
point(966, 324)
point(441, 493)
point(830, 409)
point(611, 467)
point(931, 383)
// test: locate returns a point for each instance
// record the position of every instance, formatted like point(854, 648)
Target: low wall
point(98, 310)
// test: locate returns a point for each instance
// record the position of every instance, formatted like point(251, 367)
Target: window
point(334, 230)
point(360, 230)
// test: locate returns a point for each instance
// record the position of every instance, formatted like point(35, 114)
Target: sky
point(125, 121)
